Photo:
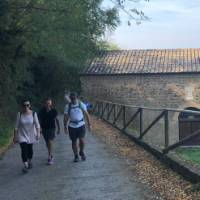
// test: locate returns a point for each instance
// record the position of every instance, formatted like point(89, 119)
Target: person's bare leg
point(74, 147)
point(75, 151)
point(82, 145)
point(49, 147)
point(50, 150)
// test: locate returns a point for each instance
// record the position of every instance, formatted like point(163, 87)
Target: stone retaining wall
point(163, 91)
point(166, 91)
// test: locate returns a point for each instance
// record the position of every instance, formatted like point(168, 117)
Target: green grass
point(189, 154)
point(5, 136)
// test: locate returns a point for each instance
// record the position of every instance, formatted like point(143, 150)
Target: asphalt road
point(103, 176)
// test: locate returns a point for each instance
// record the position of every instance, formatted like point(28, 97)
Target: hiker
point(27, 131)
point(48, 120)
point(74, 124)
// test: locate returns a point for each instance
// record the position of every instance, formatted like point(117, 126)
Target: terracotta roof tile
point(145, 61)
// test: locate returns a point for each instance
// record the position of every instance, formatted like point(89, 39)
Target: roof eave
point(139, 74)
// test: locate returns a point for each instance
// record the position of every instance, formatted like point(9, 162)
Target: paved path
point(104, 176)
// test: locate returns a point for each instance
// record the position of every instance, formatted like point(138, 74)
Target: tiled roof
point(145, 62)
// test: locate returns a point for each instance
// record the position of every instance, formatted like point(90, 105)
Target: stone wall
point(166, 91)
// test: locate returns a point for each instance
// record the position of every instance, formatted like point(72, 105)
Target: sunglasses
point(26, 105)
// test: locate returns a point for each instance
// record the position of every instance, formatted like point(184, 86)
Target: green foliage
point(68, 29)
point(5, 135)
point(43, 45)
point(129, 7)
point(105, 45)
point(51, 78)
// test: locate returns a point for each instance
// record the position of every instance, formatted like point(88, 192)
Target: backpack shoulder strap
point(80, 106)
point(33, 113)
point(69, 108)
point(19, 114)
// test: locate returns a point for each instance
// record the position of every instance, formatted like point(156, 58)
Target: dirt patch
point(160, 178)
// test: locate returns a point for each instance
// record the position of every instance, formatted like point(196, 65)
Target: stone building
point(153, 78)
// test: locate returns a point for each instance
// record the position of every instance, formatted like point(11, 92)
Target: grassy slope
point(5, 137)
point(189, 154)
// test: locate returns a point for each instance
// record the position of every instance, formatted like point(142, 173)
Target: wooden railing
point(123, 113)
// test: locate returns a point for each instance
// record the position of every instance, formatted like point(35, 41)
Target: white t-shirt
point(26, 125)
point(76, 116)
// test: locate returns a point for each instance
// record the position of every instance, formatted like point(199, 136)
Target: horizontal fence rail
point(141, 122)
point(149, 108)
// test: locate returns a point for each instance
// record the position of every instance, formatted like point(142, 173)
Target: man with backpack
point(74, 124)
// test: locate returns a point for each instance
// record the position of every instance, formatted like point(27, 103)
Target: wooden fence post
point(141, 121)
point(166, 129)
point(124, 116)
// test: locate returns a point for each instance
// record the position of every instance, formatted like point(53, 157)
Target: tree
point(105, 45)
point(129, 7)
point(63, 32)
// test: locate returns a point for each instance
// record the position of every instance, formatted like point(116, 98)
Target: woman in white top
point(27, 131)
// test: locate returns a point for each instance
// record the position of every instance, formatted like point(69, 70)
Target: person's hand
point(15, 140)
point(38, 136)
point(66, 131)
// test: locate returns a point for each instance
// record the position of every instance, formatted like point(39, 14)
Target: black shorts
point(48, 134)
point(75, 133)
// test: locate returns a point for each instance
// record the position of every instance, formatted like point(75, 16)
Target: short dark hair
point(73, 94)
point(25, 100)
point(48, 99)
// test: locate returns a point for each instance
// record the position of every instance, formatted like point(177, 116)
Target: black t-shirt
point(47, 118)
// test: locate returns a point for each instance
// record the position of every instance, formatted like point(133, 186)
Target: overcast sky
point(174, 24)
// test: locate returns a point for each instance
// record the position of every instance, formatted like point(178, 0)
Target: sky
point(173, 24)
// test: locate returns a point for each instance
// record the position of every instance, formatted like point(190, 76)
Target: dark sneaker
point(76, 159)
point(25, 170)
point(83, 157)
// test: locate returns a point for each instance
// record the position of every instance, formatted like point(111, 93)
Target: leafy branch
point(134, 14)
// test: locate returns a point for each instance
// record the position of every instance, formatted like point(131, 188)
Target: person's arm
point(58, 125)
point(57, 121)
point(86, 114)
point(88, 119)
point(40, 120)
point(37, 125)
point(15, 136)
point(66, 122)
point(66, 119)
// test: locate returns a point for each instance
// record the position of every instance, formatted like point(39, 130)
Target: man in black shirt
point(48, 121)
